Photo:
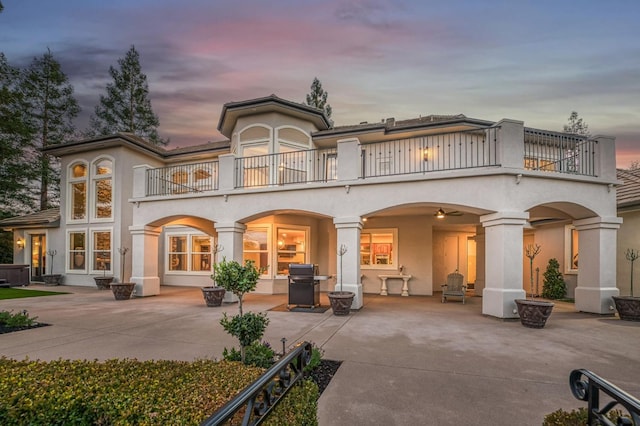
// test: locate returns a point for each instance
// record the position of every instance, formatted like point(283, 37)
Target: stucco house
point(411, 200)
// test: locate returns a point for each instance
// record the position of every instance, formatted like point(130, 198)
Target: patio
point(407, 360)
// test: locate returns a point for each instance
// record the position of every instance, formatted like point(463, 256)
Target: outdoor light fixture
point(425, 154)
point(20, 243)
point(440, 214)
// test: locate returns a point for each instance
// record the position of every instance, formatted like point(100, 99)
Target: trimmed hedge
point(125, 392)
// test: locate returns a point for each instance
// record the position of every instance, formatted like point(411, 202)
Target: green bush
point(257, 354)
point(554, 286)
point(124, 392)
point(574, 418)
point(316, 357)
point(21, 319)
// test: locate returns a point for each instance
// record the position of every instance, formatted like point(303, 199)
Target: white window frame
point(269, 230)
point(68, 250)
point(70, 197)
point(394, 256)
point(95, 178)
point(307, 233)
point(569, 231)
point(188, 234)
point(92, 251)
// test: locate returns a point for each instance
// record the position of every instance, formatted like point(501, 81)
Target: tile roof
point(49, 218)
point(628, 194)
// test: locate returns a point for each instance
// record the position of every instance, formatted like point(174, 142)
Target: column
point(348, 230)
point(478, 287)
point(144, 260)
point(230, 238)
point(349, 166)
point(597, 264)
point(503, 263)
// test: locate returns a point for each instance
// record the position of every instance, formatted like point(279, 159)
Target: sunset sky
point(534, 61)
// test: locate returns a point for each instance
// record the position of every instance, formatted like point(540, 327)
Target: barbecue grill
point(304, 288)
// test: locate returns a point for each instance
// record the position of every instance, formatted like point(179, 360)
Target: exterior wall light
point(425, 154)
point(20, 243)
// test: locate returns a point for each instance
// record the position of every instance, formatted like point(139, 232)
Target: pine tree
point(553, 286)
point(126, 106)
point(576, 125)
point(317, 98)
point(49, 110)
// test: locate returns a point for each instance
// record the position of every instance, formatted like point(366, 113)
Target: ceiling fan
point(441, 214)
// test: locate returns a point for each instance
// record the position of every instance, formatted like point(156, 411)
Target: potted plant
point(214, 294)
point(533, 313)
point(628, 307)
point(122, 290)
point(341, 300)
point(247, 327)
point(104, 281)
point(52, 279)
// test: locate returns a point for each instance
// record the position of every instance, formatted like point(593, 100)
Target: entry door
point(38, 256)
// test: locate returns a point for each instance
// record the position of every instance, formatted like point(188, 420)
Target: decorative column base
point(500, 303)
point(357, 290)
point(146, 286)
point(596, 300)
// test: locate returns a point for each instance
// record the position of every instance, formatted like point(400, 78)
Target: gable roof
point(628, 194)
point(49, 218)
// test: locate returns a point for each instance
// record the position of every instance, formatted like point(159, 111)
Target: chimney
point(391, 121)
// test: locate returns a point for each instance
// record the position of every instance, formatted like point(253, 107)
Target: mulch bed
point(6, 329)
point(324, 372)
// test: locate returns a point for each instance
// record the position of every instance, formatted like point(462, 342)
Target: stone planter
point(122, 291)
point(341, 302)
point(213, 295)
point(533, 313)
point(103, 282)
point(52, 279)
point(628, 307)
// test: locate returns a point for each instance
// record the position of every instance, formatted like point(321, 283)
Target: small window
point(77, 251)
point(378, 249)
point(256, 248)
point(572, 248)
point(101, 252)
point(102, 188)
point(292, 248)
point(190, 253)
point(78, 192)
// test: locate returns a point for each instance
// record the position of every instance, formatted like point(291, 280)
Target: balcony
point(508, 146)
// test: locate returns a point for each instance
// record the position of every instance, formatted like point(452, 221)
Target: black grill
point(304, 288)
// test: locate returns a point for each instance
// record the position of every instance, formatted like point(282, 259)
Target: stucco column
point(597, 264)
point(140, 180)
point(478, 286)
point(348, 233)
point(349, 164)
point(510, 149)
point(503, 263)
point(230, 238)
point(226, 172)
point(144, 260)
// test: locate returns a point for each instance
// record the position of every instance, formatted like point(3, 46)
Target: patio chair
point(454, 287)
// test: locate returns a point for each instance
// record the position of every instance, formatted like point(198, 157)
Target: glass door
point(38, 256)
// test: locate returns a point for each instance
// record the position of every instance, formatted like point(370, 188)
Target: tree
point(1, 7)
point(576, 125)
point(126, 106)
point(553, 286)
point(317, 98)
point(635, 165)
point(49, 110)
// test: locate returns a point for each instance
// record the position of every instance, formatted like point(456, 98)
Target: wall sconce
point(20, 243)
point(425, 154)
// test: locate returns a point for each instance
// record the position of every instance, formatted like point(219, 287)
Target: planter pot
point(213, 295)
point(103, 282)
point(122, 291)
point(52, 279)
point(533, 313)
point(341, 301)
point(628, 307)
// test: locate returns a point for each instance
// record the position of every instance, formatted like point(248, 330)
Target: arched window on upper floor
point(77, 191)
point(102, 185)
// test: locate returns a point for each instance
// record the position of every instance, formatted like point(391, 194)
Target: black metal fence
point(184, 178)
point(261, 396)
point(587, 386)
point(559, 152)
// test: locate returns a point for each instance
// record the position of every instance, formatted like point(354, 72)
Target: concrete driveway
point(406, 360)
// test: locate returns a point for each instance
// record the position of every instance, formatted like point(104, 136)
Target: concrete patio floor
point(406, 360)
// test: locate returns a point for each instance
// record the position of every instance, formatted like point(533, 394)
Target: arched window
point(103, 188)
point(77, 191)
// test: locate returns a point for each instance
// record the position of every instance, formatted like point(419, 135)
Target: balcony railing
point(559, 152)
point(314, 165)
point(446, 151)
point(185, 178)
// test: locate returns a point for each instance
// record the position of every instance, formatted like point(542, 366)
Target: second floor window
point(102, 186)
point(78, 191)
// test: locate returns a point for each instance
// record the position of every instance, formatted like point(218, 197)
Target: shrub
point(120, 392)
point(554, 286)
point(257, 354)
point(316, 357)
point(21, 319)
point(574, 418)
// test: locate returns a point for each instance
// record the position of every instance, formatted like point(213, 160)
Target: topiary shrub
point(553, 286)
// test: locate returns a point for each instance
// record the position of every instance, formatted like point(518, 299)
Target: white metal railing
point(180, 179)
point(313, 165)
point(559, 152)
point(445, 151)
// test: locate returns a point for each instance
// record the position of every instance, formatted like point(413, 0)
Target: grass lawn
point(18, 293)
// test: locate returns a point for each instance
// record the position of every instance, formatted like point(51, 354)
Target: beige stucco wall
point(628, 237)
